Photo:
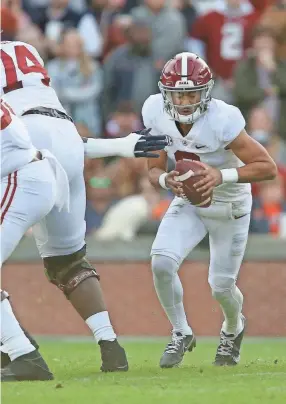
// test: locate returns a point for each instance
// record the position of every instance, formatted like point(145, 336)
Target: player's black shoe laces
point(226, 344)
point(175, 344)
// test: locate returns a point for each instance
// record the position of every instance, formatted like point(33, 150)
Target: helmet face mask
point(185, 84)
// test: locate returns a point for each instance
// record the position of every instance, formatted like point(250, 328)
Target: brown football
point(187, 168)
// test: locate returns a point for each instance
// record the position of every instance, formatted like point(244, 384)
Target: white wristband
point(229, 175)
point(162, 180)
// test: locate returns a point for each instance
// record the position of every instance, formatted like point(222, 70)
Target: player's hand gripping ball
point(188, 177)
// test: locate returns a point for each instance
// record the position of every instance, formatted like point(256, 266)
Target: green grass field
point(260, 378)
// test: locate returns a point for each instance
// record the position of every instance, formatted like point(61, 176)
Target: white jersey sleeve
point(234, 124)
point(149, 113)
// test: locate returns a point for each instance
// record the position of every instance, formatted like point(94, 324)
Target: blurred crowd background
point(104, 58)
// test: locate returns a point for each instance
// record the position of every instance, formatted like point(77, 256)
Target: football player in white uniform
point(213, 132)
point(32, 184)
point(60, 238)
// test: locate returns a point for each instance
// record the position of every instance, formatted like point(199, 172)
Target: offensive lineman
point(213, 132)
point(60, 236)
point(31, 185)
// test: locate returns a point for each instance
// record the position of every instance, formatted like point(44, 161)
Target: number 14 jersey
point(25, 83)
point(206, 141)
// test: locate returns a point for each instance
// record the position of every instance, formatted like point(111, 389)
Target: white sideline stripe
point(184, 64)
point(261, 374)
point(185, 176)
point(150, 339)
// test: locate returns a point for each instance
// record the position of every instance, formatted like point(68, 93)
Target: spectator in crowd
point(34, 8)
point(101, 196)
point(100, 26)
point(126, 173)
point(261, 128)
point(168, 30)
point(188, 11)
point(123, 121)
point(116, 33)
point(35, 37)
point(23, 19)
point(9, 23)
point(260, 79)
point(77, 80)
point(53, 19)
point(129, 73)
point(221, 37)
point(274, 17)
point(129, 5)
point(124, 219)
point(260, 5)
point(98, 9)
point(269, 209)
point(94, 25)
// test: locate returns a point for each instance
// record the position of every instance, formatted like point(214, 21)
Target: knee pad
point(221, 284)
point(68, 271)
point(163, 266)
point(4, 295)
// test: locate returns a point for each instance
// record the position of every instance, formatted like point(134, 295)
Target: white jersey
point(16, 146)
point(205, 142)
point(25, 83)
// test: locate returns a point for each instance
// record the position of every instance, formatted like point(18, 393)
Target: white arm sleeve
point(123, 147)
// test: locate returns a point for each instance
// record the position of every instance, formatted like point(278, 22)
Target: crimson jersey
point(225, 38)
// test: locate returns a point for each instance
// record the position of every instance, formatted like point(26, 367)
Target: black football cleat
point(5, 360)
point(176, 349)
point(27, 367)
point(228, 351)
point(113, 357)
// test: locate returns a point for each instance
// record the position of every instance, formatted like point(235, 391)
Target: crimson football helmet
point(184, 73)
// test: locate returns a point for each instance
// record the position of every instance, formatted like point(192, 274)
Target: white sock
point(101, 327)
point(231, 303)
point(170, 293)
point(12, 336)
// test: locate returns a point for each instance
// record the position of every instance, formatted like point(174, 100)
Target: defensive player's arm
point(259, 166)
point(139, 144)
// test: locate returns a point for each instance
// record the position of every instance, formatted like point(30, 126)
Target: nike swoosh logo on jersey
point(199, 147)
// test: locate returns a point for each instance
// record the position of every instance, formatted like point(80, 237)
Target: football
point(187, 169)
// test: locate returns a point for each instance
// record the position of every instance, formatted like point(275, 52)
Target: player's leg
point(12, 335)
point(179, 232)
point(5, 359)
point(27, 195)
point(60, 239)
point(228, 241)
point(26, 362)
